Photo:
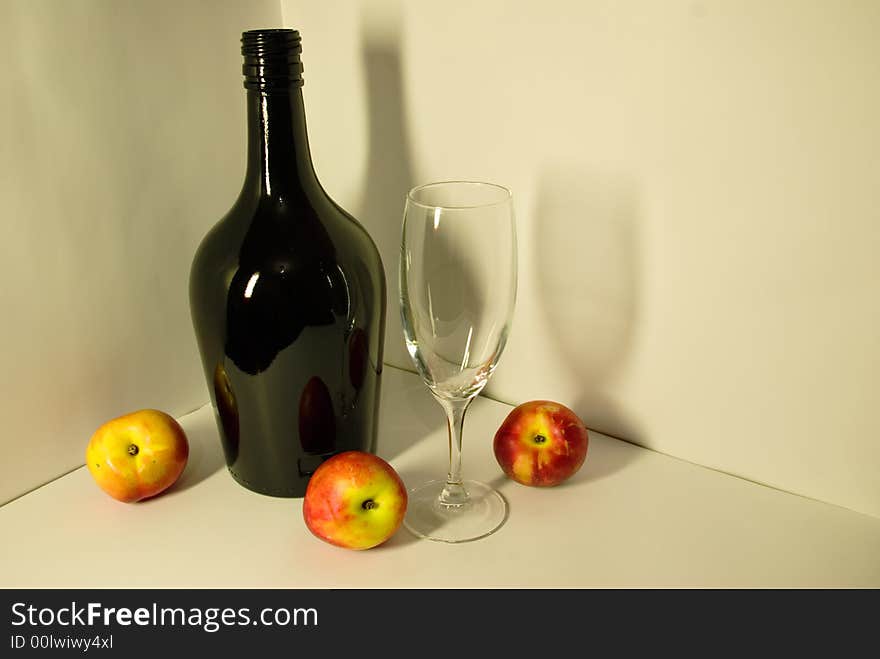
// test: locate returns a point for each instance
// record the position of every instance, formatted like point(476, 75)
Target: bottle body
point(287, 294)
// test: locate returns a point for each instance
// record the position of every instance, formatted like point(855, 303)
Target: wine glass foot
point(483, 513)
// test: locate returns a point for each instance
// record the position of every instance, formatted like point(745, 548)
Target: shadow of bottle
point(389, 170)
point(389, 176)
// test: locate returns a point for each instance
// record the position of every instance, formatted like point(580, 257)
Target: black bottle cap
point(271, 59)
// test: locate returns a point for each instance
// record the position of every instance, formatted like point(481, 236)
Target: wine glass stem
point(454, 494)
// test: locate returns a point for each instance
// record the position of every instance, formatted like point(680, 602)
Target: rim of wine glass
point(508, 195)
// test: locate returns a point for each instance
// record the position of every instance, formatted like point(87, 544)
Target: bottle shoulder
point(286, 235)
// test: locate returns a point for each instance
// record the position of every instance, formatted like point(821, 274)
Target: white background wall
point(696, 185)
point(695, 182)
point(121, 143)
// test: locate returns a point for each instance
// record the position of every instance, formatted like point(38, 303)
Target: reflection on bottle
point(317, 424)
point(228, 411)
point(357, 357)
point(268, 307)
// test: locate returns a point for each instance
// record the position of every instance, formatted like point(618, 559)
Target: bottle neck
point(279, 163)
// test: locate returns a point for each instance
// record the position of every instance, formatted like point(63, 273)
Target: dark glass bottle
point(287, 294)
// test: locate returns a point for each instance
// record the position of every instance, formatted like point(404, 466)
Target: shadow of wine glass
point(588, 283)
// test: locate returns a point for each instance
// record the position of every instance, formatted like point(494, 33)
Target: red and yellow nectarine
point(137, 455)
point(354, 500)
point(541, 443)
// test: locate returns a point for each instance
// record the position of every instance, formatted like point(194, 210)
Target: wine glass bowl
point(457, 294)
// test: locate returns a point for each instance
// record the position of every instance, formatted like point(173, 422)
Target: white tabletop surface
point(630, 517)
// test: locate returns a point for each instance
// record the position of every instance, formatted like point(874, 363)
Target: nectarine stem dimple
point(369, 504)
point(133, 449)
point(539, 439)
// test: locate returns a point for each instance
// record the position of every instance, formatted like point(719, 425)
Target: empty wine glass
point(457, 292)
